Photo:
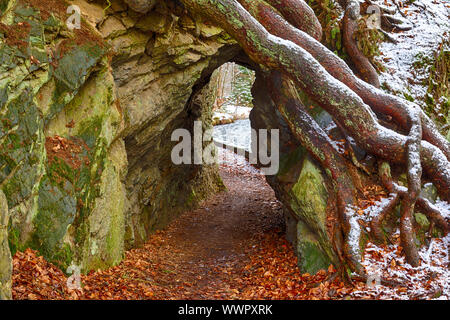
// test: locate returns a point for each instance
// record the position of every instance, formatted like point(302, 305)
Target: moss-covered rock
point(85, 122)
point(309, 203)
point(86, 118)
point(300, 184)
point(59, 119)
point(5, 254)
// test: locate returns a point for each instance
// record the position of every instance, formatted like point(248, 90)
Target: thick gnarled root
point(406, 212)
point(324, 78)
point(300, 15)
point(397, 110)
point(365, 68)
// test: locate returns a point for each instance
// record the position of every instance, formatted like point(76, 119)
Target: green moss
point(21, 148)
point(71, 72)
point(3, 6)
point(58, 206)
point(191, 198)
point(308, 202)
point(311, 194)
point(311, 256)
point(422, 220)
point(106, 222)
point(290, 160)
point(437, 97)
point(329, 16)
point(368, 41)
point(14, 240)
point(408, 96)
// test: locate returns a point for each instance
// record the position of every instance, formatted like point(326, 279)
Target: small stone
point(112, 27)
point(141, 6)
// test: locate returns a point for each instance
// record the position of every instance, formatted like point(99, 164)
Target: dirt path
point(204, 248)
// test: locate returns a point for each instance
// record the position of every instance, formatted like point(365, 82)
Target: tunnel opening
point(216, 243)
point(232, 103)
point(100, 131)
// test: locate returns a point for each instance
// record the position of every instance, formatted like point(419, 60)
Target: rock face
point(5, 254)
point(142, 6)
point(86, 118)
point(300, 184)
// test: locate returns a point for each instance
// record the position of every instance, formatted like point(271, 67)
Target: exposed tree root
point(300, 15)
point(407, 210)
point(329, 82)
point(383, 281)
point(433, 214)
point(384, 23)
point(393, 24)
point(407, 239)
point(320, 146)
point(414, 185)
point(360, 61)
point(375, 223)
point(392, 107)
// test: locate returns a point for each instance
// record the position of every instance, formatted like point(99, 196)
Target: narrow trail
point(217, 251)
point(203, 249)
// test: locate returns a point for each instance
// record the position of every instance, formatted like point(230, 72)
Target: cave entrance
point(231, 228)
point(235, 218)
point(231, 220)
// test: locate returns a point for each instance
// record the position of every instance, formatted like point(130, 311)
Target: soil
point(232, 247)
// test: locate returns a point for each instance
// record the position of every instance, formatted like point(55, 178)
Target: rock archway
point(102, 102)
point(86, 123)
point(87, 171)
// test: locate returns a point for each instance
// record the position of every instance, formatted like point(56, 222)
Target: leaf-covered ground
point(232, 247)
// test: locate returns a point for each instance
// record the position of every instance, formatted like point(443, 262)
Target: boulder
point(300, 185)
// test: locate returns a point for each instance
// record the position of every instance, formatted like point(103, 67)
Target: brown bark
point(361, 62)
point(320, 146)
point(300, 15)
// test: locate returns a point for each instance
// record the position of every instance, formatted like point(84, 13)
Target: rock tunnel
point(86, 123)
